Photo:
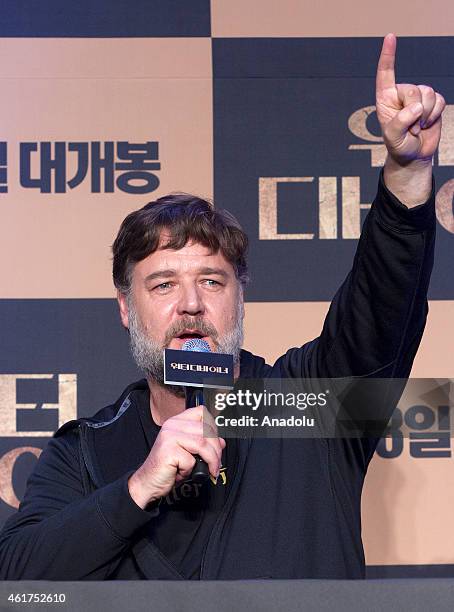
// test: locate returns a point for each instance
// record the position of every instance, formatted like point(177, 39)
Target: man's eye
point(163, 286)
point(210, 282)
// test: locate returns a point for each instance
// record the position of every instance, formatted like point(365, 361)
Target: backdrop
point(269, 109)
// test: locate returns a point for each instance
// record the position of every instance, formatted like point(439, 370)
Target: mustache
point(187, 322)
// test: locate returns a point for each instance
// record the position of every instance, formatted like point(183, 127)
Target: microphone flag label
point(197, 369)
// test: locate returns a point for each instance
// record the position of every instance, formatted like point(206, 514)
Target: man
point(111, 496)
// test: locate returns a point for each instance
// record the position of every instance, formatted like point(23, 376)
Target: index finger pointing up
point(385, 69)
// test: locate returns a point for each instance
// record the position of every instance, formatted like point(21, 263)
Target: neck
point(163, 403)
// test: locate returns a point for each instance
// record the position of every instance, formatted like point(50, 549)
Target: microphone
point(193, 367)
point(194, 397)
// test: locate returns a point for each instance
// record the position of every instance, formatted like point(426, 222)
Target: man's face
point(177, 295)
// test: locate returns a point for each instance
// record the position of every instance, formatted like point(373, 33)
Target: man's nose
point(190, 300)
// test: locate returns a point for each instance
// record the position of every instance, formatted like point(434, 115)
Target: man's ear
point(124, 310)
point(241, 301)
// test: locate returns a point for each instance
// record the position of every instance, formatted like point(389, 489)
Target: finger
point(199, 413)
point(437, 110)
point(209, 424)
point(210, 430)
point(409, 95)
point(196, 428)
point(197, 422)
point(185, 464)
point(400, 124)
point(197, 432)
point(428, 99)
point(385, 70)
point(197, 445)
point(216, 447)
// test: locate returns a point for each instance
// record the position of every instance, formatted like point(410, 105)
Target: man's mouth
point(188, 334)
point(179, 335)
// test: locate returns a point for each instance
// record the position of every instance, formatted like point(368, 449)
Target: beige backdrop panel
point(407, 502)
point(295, 18)
point(407, 511)
point(294, 323)
point(133, 90)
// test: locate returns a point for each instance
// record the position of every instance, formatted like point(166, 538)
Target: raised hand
point(409, 115)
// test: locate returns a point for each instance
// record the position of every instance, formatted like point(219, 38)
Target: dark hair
point(184, 217)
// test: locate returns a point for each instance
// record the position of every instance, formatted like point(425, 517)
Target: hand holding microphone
point(188, 445)
point(173, 455)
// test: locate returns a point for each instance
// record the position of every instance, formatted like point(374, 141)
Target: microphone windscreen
point(197, 345)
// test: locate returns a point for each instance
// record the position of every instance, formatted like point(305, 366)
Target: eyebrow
point(170, 273)
point(218, 271)
point(159, 274)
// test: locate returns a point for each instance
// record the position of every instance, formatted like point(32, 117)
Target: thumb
point(404, 121)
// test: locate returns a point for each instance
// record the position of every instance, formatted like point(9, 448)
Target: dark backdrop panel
point(84, 337)
point(281, 109)
point(105, 18)
point(81, 337)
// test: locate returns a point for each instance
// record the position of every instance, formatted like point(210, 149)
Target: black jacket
point(293, 510)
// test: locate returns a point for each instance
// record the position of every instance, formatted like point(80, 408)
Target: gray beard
point(149, 354)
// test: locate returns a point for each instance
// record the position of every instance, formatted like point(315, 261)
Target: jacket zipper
point(242, 456)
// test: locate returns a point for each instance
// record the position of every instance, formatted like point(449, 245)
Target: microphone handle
point(200, 472)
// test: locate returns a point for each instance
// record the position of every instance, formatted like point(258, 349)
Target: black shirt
point(188, 513)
